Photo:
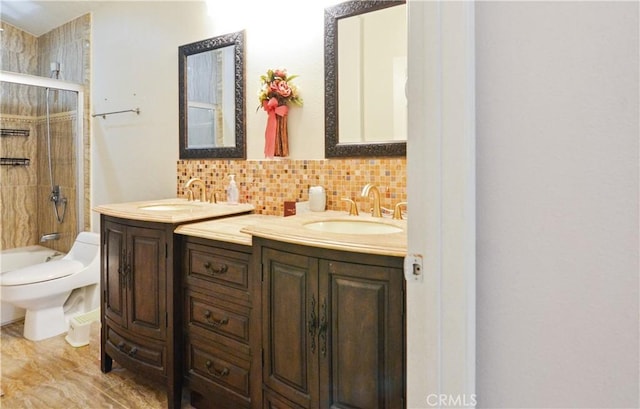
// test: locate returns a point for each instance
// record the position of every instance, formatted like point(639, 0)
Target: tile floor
point(51, 374)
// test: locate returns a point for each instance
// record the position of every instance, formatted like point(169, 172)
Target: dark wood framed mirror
point(211, 98)
point(365, 61)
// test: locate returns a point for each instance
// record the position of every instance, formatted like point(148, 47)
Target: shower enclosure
point(42, 181)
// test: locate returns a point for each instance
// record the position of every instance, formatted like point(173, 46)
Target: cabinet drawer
point(209, 265)
point(221, 369)
point(271, 400)
point(220, 317)
point(122, 347)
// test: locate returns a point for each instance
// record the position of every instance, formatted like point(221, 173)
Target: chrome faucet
point(371, 188)
point(200, 184)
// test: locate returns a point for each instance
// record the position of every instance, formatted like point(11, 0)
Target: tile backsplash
point(267, 184)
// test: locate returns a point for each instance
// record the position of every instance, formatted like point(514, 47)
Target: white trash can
point(80, 328)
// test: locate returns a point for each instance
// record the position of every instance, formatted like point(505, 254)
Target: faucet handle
point(397, 213)
point(353, 208)
point(200, 184)
point(189, 194)
point(213, 198)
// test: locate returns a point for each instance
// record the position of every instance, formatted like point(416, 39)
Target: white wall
point(135, 64)
point(441, 196)
point(557, 204)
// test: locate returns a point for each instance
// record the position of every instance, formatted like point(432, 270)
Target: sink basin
point(169, 207)
point(353, 227)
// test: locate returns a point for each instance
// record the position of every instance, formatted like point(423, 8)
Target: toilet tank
point(85, 249)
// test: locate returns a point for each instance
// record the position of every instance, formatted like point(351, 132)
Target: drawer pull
point(313, 324)
point(215, 323)
point(120, 345)
point(322, 328)
point(133, 351)
point(220, 269)
point(213, 371)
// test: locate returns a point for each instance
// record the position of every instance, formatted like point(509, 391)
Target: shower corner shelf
point(14, 132)
point(15, 161)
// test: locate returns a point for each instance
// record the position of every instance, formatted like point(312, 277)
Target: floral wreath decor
point(276, 93)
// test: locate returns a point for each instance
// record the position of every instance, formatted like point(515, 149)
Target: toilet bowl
point(45, 290)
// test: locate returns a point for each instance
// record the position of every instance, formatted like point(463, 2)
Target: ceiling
point(40, 17)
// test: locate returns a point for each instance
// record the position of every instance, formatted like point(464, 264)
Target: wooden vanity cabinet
point(140, 320)
point(333, 328)
point(221, 328)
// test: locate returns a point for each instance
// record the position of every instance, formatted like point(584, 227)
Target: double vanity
point(255, 311)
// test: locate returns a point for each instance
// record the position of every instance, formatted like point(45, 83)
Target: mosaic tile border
point(267, 184)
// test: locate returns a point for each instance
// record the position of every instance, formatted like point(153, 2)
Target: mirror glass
point(211, 98)
point(365, 79)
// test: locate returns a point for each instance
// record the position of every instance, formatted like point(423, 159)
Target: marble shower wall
point(19, 54)
point(18, 104)
point(27, 213)
point(19, 184)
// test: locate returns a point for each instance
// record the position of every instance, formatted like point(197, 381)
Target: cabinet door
point(146, 252)
point(114, 272)
point(361, 349)
point(290, 311)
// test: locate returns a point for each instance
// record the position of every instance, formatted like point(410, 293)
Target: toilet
point(52, 292)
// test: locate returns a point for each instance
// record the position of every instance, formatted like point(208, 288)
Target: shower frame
point(43, 82)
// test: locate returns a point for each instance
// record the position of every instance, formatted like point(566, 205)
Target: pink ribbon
point(272, 109)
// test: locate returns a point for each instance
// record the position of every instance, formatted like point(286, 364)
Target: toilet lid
point(38, 273)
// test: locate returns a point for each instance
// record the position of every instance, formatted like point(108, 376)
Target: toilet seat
point(41, 272)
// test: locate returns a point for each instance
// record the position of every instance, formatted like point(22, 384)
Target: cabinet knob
point(133, 351)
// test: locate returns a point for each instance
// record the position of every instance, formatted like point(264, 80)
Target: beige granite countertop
point(227, 229)
point(291, 230)
point(185, 211)
point(227, 223)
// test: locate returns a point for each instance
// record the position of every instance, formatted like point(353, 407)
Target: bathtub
point(20, 257)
